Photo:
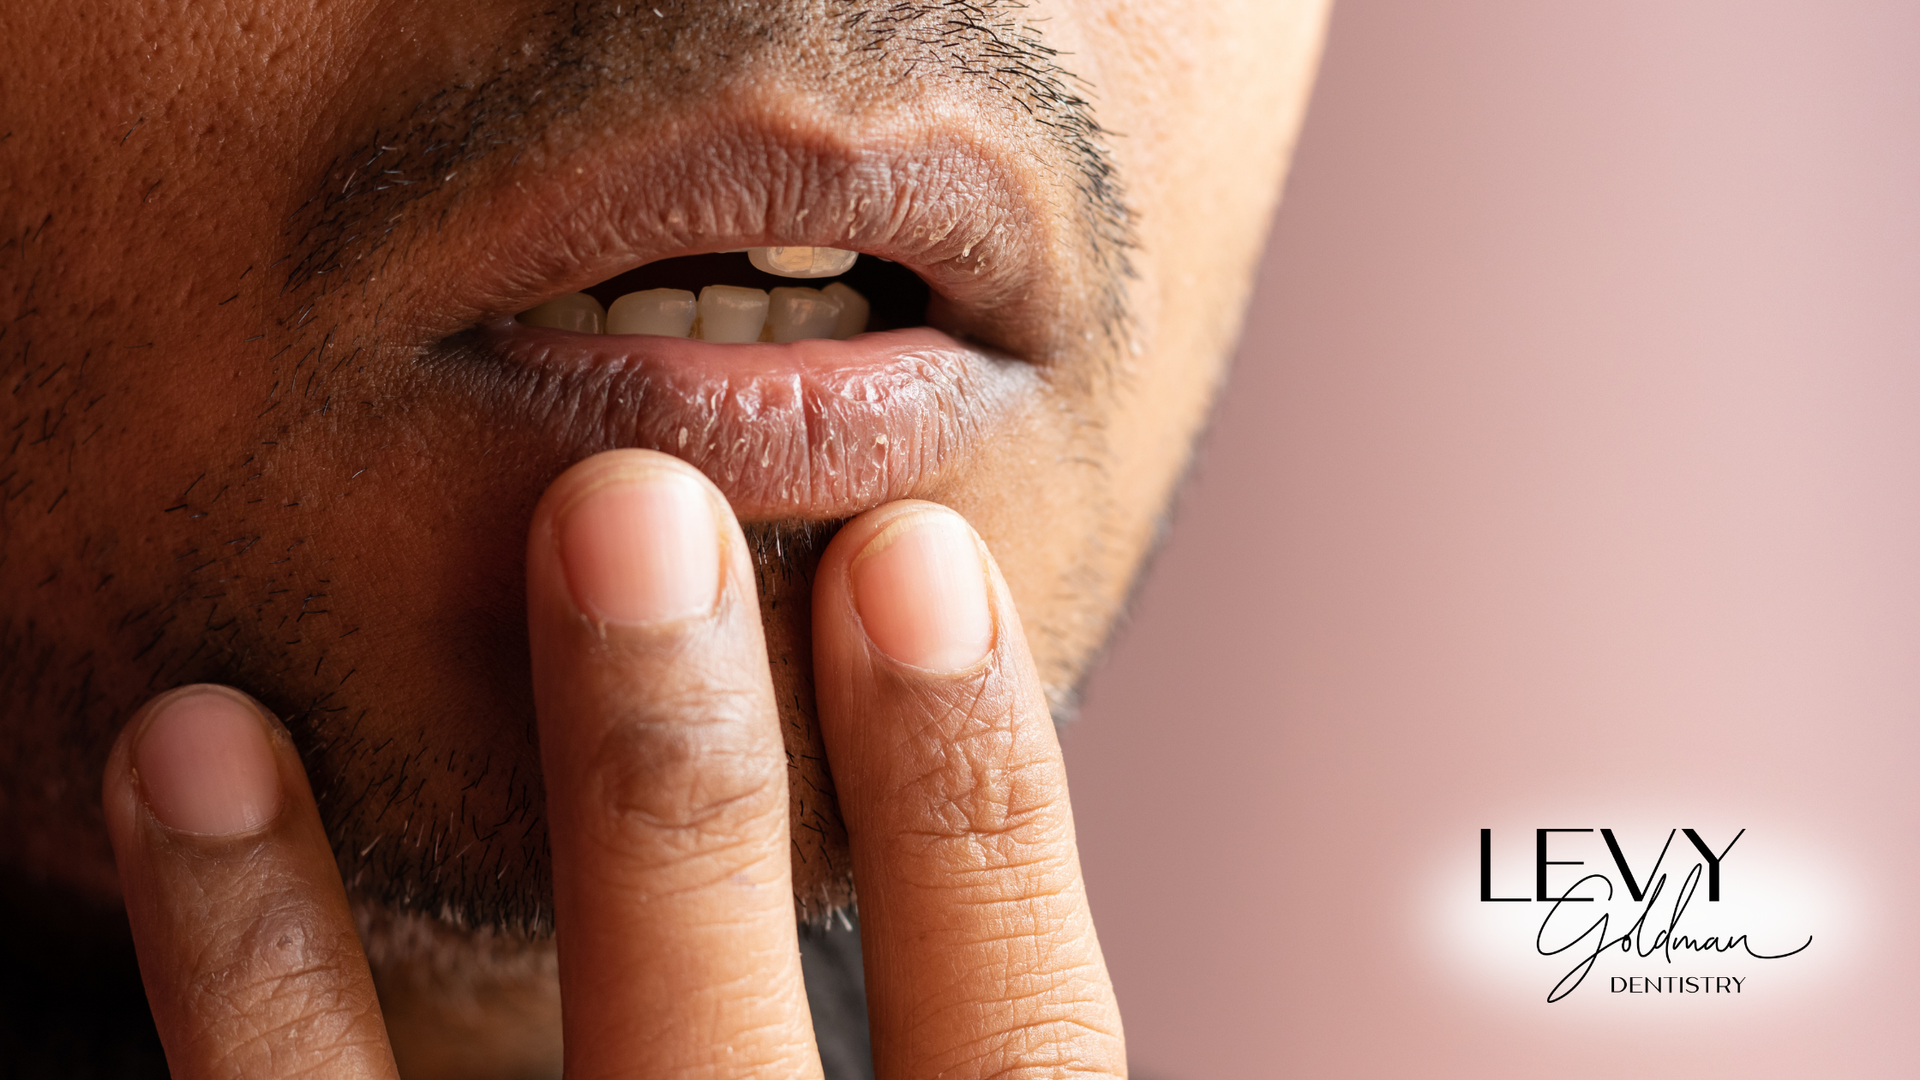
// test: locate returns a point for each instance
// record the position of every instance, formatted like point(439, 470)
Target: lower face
point(271, 420)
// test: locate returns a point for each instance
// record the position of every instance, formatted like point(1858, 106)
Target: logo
point(1653, 923)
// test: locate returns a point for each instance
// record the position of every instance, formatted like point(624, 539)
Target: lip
point(969, 211)
point(813, 429)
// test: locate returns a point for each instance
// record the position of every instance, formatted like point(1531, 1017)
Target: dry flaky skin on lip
point(810, 430)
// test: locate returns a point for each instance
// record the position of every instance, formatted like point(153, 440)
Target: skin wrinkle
point(979, 806)
point(255, 985)
point(967, 837)
point(253, 957)
point(1016, 1042)
point(667, 799)
point(957, 870)
point(1056, 1014)
point(1029, 988)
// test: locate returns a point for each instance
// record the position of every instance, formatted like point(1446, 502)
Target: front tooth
point(731, 314)
point(668, 312)
point(853, 311)
point(798, 314)
point(802, 261)
point(575, 311)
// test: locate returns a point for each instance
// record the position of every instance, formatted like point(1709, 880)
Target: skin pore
point(253, 433)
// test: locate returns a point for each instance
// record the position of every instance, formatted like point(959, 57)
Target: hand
point(667, 803)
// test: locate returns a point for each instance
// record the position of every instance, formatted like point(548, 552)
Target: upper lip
point(962, 211)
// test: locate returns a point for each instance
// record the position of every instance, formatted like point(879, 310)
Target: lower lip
point(812, 429)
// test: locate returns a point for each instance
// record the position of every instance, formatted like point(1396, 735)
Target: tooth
point(802, 261)
point(797, 314)
point(853, 311)
point(575, 311)
point(668, 312)
point(731, 314)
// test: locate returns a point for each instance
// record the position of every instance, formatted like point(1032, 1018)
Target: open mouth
point(707, 319)
point(768, 294)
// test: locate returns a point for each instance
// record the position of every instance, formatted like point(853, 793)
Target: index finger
point(666, 781)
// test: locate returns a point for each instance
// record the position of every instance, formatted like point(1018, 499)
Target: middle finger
point(980, 954)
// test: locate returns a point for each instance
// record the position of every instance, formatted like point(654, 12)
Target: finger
point(666, 781)
point(246, 945)
point(981, 959)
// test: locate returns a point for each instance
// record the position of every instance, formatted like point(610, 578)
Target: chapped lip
point(813, 429)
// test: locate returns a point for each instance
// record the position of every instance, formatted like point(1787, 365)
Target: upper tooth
point(731, 314)
point(723, 313)
point(853, 310)
point(802, 261)
point(574, 311)
point(802, 313)
point(655, 311)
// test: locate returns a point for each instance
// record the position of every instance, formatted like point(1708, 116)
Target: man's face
point(269, 420)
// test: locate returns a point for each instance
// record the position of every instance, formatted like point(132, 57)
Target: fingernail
point(206, 765)
point(641, 548)
point(921, 591)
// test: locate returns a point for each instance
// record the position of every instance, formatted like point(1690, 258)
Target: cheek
point(1210, 96)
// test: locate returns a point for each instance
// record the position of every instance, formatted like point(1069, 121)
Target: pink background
point(1570, 474)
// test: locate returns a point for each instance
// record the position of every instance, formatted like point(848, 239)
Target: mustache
point(786, 553)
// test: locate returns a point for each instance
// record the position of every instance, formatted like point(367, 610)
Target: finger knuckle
point(1041, 1040)
point(1032, 1000)
point(978, 796)
point(693, 772)
point(274, 990)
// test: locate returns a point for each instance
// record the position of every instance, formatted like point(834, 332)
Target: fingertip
point(914, 632)
point(591, 471)
point(634, 538)
point(919, 587)
point(916, 583)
